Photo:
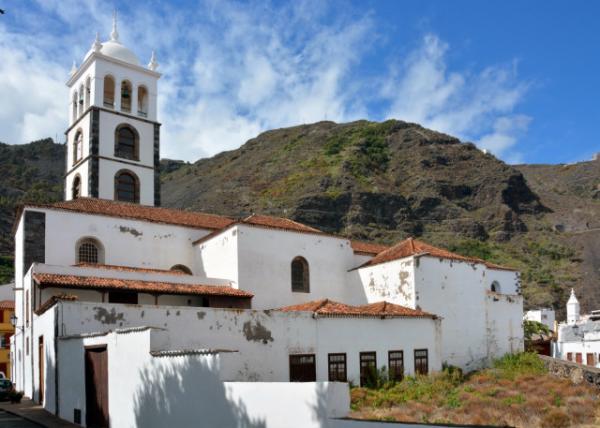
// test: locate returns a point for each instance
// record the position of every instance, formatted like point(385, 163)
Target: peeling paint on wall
point(134, 232)
point(108, 317)
point(257, 332)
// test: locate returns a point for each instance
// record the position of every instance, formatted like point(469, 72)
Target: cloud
point(242, 68)
point(471, 106)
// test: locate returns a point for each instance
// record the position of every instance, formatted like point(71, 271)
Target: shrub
point(556, 419)
point(525, 363)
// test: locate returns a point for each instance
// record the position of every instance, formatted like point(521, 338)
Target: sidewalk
point(33, 412)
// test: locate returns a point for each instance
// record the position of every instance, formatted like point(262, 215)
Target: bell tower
point(113, 138)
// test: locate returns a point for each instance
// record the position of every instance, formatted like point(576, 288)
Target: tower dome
point(114, 48)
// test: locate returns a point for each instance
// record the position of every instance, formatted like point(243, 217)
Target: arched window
point(80, 101)
point(126, 187)
point(182, 268)
point(495, 287)
point(90, 250)
point(300, 277)
point(74, 106)
point(109, 92)
point(76, 187)
point(77, 147)
point(142, 101)
point(87, 92)
point(126, 142)
point(126, 96)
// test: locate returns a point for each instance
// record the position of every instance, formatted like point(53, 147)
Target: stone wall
point(578, 373)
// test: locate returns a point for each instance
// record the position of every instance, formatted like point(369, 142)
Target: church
point(118, 299)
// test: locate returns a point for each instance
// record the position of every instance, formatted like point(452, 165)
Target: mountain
point(385, 181)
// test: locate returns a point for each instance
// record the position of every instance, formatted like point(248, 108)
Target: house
point(544, 316)
point(7, 308)
point(578, 338)
point(115, 295)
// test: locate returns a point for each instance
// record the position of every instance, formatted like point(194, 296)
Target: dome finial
point(73, 68)
point(96, 46)
point(114, 35)
point(153, 65)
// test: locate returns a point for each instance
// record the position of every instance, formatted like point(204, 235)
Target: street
point(8, 420)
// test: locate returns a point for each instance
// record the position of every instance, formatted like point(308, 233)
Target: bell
point(125, 93)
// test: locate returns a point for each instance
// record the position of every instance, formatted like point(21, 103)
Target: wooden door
point(41, 363)
point(96, 387)
point(578, 358)
point(590, 359)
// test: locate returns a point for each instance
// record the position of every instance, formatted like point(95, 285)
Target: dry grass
point(509, 394)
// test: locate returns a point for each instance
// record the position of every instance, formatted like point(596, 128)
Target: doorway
point(96, 387)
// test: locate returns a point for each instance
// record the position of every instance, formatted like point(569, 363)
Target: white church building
point(129, 314)
point(578, 339)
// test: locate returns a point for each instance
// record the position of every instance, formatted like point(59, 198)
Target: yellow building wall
point(5, 328)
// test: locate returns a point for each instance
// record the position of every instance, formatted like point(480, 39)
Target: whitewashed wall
point(263, 339)
point(265, 258)
point(126, 242)
point(457, 291)
point(146, 391)
point(393, 281)
point(218, 257)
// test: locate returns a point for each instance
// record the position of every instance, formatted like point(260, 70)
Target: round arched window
point(76, 188)
point(78, 147)
point(300, 275)
point(182, 268)
point(126, 187)
point(126, 142)
point(90, 250)
point(495, 287)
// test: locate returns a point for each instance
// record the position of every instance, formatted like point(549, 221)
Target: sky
point(520, 79)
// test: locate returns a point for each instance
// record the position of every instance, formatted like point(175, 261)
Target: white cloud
point(231, 70)
point(470, 106)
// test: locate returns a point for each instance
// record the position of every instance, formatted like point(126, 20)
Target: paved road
point(11, 421)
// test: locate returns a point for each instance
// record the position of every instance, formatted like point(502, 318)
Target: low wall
point(576, 372)
point(184, 389)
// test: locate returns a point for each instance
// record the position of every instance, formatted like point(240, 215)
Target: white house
point(544, 316)
point(116, 296)
point(578, 338)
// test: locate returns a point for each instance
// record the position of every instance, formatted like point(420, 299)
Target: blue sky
point(519, 78)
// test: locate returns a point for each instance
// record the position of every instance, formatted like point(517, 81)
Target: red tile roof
point(91, 282)
point(7, 304)
point(330, 308)
point(278, 223)
point(140, 212)
point(131, 269)
point(367, 247)
point(413, 247)
point(52, 300)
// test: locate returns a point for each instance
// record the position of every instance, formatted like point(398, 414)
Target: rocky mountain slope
point(385, 181)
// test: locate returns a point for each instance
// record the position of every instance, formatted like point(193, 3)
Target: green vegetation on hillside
point(6, 270)
point(516, 391)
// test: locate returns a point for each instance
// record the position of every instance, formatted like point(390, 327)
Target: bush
point(556, 419)
point(512, 365)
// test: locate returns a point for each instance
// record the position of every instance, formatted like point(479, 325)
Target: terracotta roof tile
point(278, 223)
point(74, 281)
point(7, 304)
point(52, 300)
point(413, 247)
point(141, 212)
point(368, 247)
point(131, 269)
point(330, 308)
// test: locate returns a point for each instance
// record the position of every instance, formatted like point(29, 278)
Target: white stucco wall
point(264, 267)
point(218, 257)
point(263, 339)
point(475, 329)
point(147, 391)
point(393, 281)
point(126, 242)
